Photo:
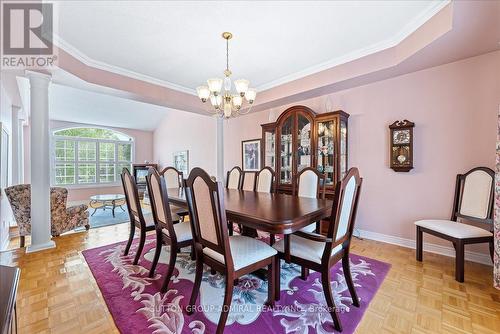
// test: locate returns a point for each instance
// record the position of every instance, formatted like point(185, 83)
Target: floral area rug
point(137, 306)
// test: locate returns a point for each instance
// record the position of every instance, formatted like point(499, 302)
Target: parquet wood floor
point(58, 294)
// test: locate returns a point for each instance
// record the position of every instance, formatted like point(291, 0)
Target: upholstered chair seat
point(244, 250)
point(454, 229)
point(182, 231)
point(305, 249)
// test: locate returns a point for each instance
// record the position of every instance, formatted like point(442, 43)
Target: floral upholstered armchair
point(63, 219)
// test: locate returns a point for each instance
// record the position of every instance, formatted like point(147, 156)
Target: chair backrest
point(132, 198)
point(206, 206)
point(249, 181)
point(173, 177)
point(234, 178)
point(310, 183)
point(345, 205)
point(160, 208)
point(474, 195)
point(265, 180)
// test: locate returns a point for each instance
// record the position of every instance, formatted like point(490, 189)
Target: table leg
point(288, 257)
point(114, 206)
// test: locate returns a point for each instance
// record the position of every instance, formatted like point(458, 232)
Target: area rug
point(137, 306)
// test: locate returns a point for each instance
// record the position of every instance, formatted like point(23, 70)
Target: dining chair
point(249, 179)
point(320, 253)
point(173, 179)
point(135, 214)
point(233, 181)
point(167, 233)
point(265, 180)
point(234, 178)
point(233, 256)
point(474, 197)
point(311, 184)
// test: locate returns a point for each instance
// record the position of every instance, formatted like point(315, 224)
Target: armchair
point(63, 219)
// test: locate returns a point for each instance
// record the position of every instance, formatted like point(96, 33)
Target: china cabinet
point(301, 138)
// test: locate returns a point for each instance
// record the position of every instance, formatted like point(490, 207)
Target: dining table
point(275, 213)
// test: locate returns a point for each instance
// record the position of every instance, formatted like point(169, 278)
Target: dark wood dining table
point(273, 213)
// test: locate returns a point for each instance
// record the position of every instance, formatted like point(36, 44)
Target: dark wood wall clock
point(402, 145)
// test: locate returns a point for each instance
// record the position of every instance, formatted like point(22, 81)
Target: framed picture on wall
point(181, 162)
point(250, 155)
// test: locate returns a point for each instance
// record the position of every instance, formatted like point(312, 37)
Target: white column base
point(40, 247)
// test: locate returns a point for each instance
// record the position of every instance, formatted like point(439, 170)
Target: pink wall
point(454, 107)
point(179, 131)
point(143, 151)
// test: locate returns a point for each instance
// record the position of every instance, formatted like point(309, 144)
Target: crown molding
point(77, 54)
point(377, 47)
point(410, 28)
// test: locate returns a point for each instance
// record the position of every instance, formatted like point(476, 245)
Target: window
point(90, 156)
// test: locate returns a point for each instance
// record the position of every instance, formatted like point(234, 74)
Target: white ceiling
point(179, 44)
point(82, 106)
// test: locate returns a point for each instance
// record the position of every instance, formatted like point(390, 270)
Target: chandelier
point(226, 103)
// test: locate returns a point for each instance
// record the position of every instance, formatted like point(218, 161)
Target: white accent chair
point(320, 253)
point(474, 195)
point(233, 256)
point(311, 184)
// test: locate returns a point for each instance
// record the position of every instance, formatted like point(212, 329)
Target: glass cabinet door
point(286, 151)
point(326, 150)
point(303, 142)
point(343, 149)
point(269, 149)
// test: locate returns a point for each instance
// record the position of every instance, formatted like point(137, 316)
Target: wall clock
point(402, 145)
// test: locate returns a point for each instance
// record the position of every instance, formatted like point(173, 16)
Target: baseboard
point(428, 247)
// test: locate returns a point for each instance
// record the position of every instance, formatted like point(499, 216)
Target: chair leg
point(170, 270)
point(271, 282)
point(142, 240)
point(159, 243)
point(348, 278)
point(192, 254)
point(230, 227)
point(459, 261)
point(318, 227)
point(22, 240)
point(327, 289)
point(130, 238)
point(197, 283)
point(228, 297)
point(492, 250)
point(272, 239)
point(277, 279)
point(419, 243)
point(304, 273)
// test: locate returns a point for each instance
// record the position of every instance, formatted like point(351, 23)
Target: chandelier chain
point(227, 54)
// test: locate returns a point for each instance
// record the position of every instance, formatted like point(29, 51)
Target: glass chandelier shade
point(225, 103)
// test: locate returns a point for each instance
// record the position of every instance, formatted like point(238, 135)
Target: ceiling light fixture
point(225, 103)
